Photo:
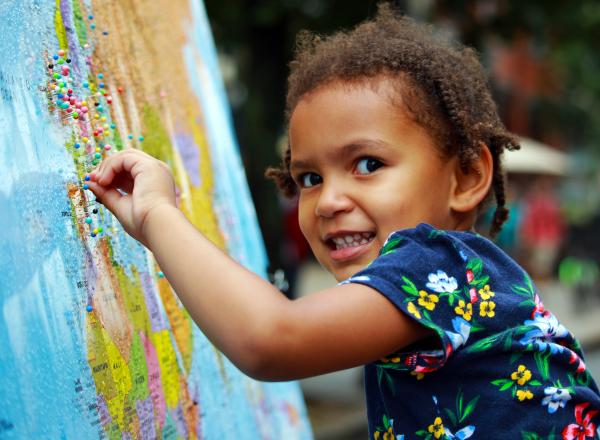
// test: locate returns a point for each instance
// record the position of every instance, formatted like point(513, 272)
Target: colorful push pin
point(96, 231)
point(100, 75)
point(94, 162)
point(85, 186)
point(89, 308)
point(86, 84)
point(57, 75)
point(85, 140)
point(87, 177)
point(113, 126)
point(120, 89)
point(68, 60)
point(61, 53)
point(75, 115)
point(90, 17)
point(55, 57)
point(105, 33)
point(93, 26)
point(101, 85)
point(100, 230)
point(77, 146)
point(95, 210)
point(88, 220)
point(97, 155)
point(160, 274)
point(141, 139)
point(130, 136)
point(107, 147)
point(92, 235)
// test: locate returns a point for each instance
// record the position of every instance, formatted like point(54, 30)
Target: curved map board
point(93, 341)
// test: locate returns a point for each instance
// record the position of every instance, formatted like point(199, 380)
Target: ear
point(471, 187)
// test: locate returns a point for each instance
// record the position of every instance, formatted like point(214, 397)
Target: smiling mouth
point(350, 240)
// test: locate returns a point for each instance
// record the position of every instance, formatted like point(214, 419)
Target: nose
point(333, 199)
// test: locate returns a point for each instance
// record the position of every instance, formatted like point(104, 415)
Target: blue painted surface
point(47, 389)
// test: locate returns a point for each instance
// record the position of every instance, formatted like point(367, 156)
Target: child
point(395, 145)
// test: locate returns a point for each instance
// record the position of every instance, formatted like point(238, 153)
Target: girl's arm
point(266, 335)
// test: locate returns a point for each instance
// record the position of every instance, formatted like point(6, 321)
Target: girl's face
point(365, 169)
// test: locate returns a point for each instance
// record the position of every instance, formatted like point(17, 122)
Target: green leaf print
point(409, 287)
point(486, 343)
point(541, 361)
point(476, 265)
point(390, 246)
point(436, 233)
point(469, 409)
point(451, 416)
point(526, 291)
point(527, 435)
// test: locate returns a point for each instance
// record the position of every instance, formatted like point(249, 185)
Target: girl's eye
point(308, 180)
point(367, 165)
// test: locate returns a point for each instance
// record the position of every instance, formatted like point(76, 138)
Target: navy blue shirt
point(499, 364)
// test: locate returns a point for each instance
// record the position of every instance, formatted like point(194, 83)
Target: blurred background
point(544, 66)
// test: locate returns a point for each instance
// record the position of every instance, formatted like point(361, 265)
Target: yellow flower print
point(437, 428)
point(389, 435)
point(486, 308)
point(418, 374)
point(427, 300)
point(522, 375)
point(464, 310)
point(524, 395)
point(486, 293)
point(413, 310)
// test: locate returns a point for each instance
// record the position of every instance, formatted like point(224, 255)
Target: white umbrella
point(536, 158)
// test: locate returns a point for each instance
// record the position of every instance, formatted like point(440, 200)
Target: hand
point(132, 184)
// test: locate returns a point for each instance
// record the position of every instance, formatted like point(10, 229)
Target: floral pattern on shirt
point(494, 341)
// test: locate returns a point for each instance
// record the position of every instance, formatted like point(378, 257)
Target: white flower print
point(441, 282)
point(355, 279)
point(545, 333)
point(555, 398)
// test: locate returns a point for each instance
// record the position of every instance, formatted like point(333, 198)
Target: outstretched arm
point(266, 335)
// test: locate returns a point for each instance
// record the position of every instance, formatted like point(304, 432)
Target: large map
point(93, 341)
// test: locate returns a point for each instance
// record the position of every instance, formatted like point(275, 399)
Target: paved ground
point(336, 402)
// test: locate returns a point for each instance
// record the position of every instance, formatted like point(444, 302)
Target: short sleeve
point(423, 272)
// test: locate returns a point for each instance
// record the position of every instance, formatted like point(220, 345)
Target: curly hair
point(442, 84)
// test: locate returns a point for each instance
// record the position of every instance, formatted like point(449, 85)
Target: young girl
point(395, 146)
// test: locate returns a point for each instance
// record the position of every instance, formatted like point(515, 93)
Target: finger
point(109, 197)
point(121, 162)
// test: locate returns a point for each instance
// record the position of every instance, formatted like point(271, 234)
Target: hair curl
point(441, 82)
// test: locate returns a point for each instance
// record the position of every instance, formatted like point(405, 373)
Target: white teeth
point(352, 240)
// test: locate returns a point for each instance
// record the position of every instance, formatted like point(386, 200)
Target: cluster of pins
point(85, 114)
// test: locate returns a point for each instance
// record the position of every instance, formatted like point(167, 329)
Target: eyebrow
point(352, 148)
